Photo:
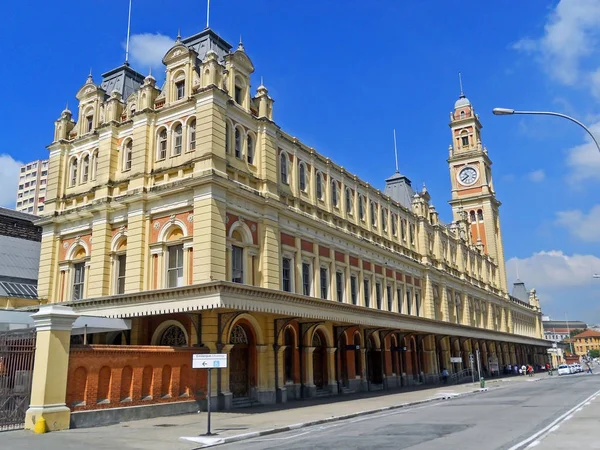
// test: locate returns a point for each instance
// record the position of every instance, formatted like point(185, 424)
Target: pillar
point(49, 385)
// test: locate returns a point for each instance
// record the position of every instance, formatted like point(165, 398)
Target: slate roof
point(399, 189)
point(13, 214)
point(520, 292)
point(206, 40)
point(123, 79)
point(19, 259)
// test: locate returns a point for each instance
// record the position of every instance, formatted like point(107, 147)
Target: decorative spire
point(89, 80)
point(178, 35)
point(241, 44)
point(462, 94)
point(396, 152)
point(128, 31)
point(208, 14)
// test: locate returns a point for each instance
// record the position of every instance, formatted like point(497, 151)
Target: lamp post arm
point(564, 116)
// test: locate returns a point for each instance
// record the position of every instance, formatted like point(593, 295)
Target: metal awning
point(82, 325)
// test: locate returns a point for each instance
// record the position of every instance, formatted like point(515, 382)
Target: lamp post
point(509, 112)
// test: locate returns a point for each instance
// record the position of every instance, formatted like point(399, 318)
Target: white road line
point(547, 429)
point(281, 438)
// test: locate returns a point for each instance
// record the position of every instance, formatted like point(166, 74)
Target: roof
point(19, 290)
point(587, 333)
point(571, 324)
point(207, 40)
point(19, 259)
point(17, 214)
point(462, 101)
point(399, 189)
point(519, 291)
point(123, 79)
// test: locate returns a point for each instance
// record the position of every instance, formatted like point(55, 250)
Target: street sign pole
point(208, 433)
point(471, 364)
point(478, 365)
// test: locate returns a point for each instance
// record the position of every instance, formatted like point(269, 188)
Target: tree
point(594, 353)
point(575, 332)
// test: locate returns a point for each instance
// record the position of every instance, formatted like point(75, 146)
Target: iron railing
point(17, 351)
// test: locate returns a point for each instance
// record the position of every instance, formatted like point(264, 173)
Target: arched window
point(394, 225)
point(227, 137)
point(73, 172)
point(240, 238)
point(472, 216)
point(162, 144)
point(319, 186)
point(373, 214)
point(128, 155)
point(238, 143)
point(479, 215)
point(85, 169)
point(173, 336)
point(250, 149)
point(334, 193)
point(302, 177)
point(192, 135)
point(178, 140)
point(384, 217)
point(462, 114)
point(94, 164)
point(348, 201)
point(283, 167)
point(361, 208)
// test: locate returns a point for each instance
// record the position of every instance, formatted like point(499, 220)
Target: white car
point(563, 369)
point(578, 368)
point(572, 368)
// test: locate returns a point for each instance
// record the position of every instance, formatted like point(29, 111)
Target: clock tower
point(472, 185)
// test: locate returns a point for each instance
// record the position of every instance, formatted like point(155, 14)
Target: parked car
point(563, 369)
point(572, 368)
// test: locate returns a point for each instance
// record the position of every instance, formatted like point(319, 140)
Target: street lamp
point(509, 112)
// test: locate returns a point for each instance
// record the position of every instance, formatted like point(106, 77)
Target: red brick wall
point(111, 376)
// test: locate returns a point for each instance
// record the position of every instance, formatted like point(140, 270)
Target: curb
point(212, 441)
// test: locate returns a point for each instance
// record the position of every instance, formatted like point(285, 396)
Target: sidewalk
point(165, 432)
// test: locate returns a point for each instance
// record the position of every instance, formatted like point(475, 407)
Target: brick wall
point(110, 376)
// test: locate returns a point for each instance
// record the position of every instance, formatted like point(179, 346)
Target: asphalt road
point(499, 419)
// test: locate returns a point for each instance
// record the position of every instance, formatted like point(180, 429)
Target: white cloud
point(585, 227)
point(9, 180)
point(147, 50)
point(564, 283)
point(537, 175)
point(567, 45)
point(584, 160)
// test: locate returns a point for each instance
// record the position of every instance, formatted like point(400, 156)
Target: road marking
point(548, 429)
point(281, 438)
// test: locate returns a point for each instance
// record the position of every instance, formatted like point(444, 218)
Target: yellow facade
point(585, 342)
point(191, 200)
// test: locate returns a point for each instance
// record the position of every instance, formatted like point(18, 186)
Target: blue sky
point(345, 74)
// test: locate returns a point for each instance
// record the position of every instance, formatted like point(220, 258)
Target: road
point(499, 419)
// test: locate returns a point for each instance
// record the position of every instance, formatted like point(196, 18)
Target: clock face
point(468, 175)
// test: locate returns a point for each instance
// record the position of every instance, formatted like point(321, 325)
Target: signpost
point(472, 369)
point(456, 359)
point(209, 361)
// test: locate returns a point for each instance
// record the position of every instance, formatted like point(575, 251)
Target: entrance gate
point(17, 351)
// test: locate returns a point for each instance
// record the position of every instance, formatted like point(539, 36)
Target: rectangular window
point(78, 280)
point(180, 85)
point(286, 275)
point(175, 267)
point(121, 261)
point(390, 299)
point(353, 290)
point(408, 302)
point(339, 286)
point(378, 294)
point(306, 278)
point(238, 95)
point(90, 123)
point(324, 290)
point(399, 297)
point(237, 264)
point(367, 293)
point(417, 303)
point(178, 143)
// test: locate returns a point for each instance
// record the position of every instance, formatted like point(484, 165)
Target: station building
point(186, 209)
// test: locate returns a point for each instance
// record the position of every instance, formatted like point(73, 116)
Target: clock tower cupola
point(472, 184)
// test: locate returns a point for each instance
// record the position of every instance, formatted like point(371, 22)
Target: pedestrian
point(445, 375)
point(530, 370)
point(523, 370)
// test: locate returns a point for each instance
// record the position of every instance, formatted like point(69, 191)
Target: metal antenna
point(396, 151)
point(207, 13)
point(128, 31)
point(462, 94)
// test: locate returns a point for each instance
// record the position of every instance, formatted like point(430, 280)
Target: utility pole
point(569, 332)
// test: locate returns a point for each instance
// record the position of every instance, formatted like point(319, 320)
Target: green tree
point(575, 332)
point(595, 353)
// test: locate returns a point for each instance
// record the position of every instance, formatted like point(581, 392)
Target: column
point(270, 260)
point(49, 385)
point(331, 381)
point(427, 300)
point(137, 251)
point(99, 274)
point(298, 266)
point(47, 288)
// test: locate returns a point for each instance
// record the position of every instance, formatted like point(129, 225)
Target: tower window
point(85, 169)
point(237, 264)
point(465, 141)
point(128, 155)
point(361, 208)
point(472, 216)
point(479, 214)
point(462, 114)
point(180, 87)
point(373, 214)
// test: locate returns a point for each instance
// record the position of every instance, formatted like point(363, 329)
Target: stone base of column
point(292, 391)
point(266, 397)
point(57, 417)
point(224, 401)
point(310, 390)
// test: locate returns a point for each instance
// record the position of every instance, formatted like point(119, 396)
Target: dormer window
point(89, 123)
point(180, 89)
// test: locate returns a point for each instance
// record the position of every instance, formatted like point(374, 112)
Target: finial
point(396, 151)
point(178, 34)
point(241, 44)
point(261, 81)
point(150, 71)
point(89, 78)
point(128, 31)
point(462, 94)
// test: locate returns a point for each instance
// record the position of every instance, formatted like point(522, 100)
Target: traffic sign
point(456, 359)
point(209, 361)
